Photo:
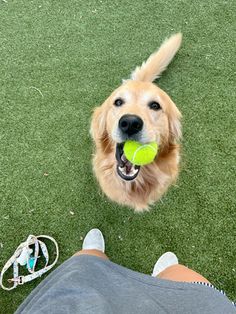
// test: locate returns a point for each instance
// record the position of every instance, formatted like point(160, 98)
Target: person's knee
point(181, 273)
point(92, 252)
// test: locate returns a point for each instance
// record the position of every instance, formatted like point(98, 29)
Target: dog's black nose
point(130, 124)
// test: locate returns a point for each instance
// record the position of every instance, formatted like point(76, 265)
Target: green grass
point(76, 53)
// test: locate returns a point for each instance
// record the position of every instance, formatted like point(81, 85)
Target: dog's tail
point(158, 61)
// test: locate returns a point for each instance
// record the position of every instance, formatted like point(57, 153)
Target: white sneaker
point(166, 260)
point(94, 241)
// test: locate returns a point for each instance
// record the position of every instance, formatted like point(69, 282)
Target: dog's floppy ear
point(175, 128)
point(98, 128)
point(175, 132)
point(98, 124)
point(158, 61)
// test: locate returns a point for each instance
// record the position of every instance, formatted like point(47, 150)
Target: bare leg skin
point(181, 273)
point(92, 252)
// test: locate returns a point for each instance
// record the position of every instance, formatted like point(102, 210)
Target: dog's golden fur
point(163, 127)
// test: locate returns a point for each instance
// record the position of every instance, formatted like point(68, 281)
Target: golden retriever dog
point(138, 110)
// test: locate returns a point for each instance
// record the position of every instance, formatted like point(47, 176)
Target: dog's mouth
point(125, 169)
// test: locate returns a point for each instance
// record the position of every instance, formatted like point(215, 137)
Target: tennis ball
point(140, 154)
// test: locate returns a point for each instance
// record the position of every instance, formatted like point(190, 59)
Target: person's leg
point(92, 252)
point(93, 244)
point(167, 267)
point(181, 273)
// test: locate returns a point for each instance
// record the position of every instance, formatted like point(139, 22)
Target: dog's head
point(138, 110)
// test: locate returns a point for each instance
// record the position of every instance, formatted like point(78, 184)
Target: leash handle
point(20, 280)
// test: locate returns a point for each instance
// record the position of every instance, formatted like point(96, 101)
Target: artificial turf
point(60, 59)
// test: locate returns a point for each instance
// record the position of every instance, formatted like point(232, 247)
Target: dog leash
point(23, 256)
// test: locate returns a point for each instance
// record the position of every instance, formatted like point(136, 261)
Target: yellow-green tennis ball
point(140, 154)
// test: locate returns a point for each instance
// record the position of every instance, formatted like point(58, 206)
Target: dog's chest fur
point(151, 183)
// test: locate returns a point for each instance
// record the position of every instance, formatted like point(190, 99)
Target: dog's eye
point(118, 102)
point(154, 105)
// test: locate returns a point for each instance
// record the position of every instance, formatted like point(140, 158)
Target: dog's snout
point(130, 124)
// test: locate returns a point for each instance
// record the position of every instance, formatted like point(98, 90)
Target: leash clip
point(19, 280)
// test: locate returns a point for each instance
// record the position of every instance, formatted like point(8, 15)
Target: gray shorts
point(88, 284)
